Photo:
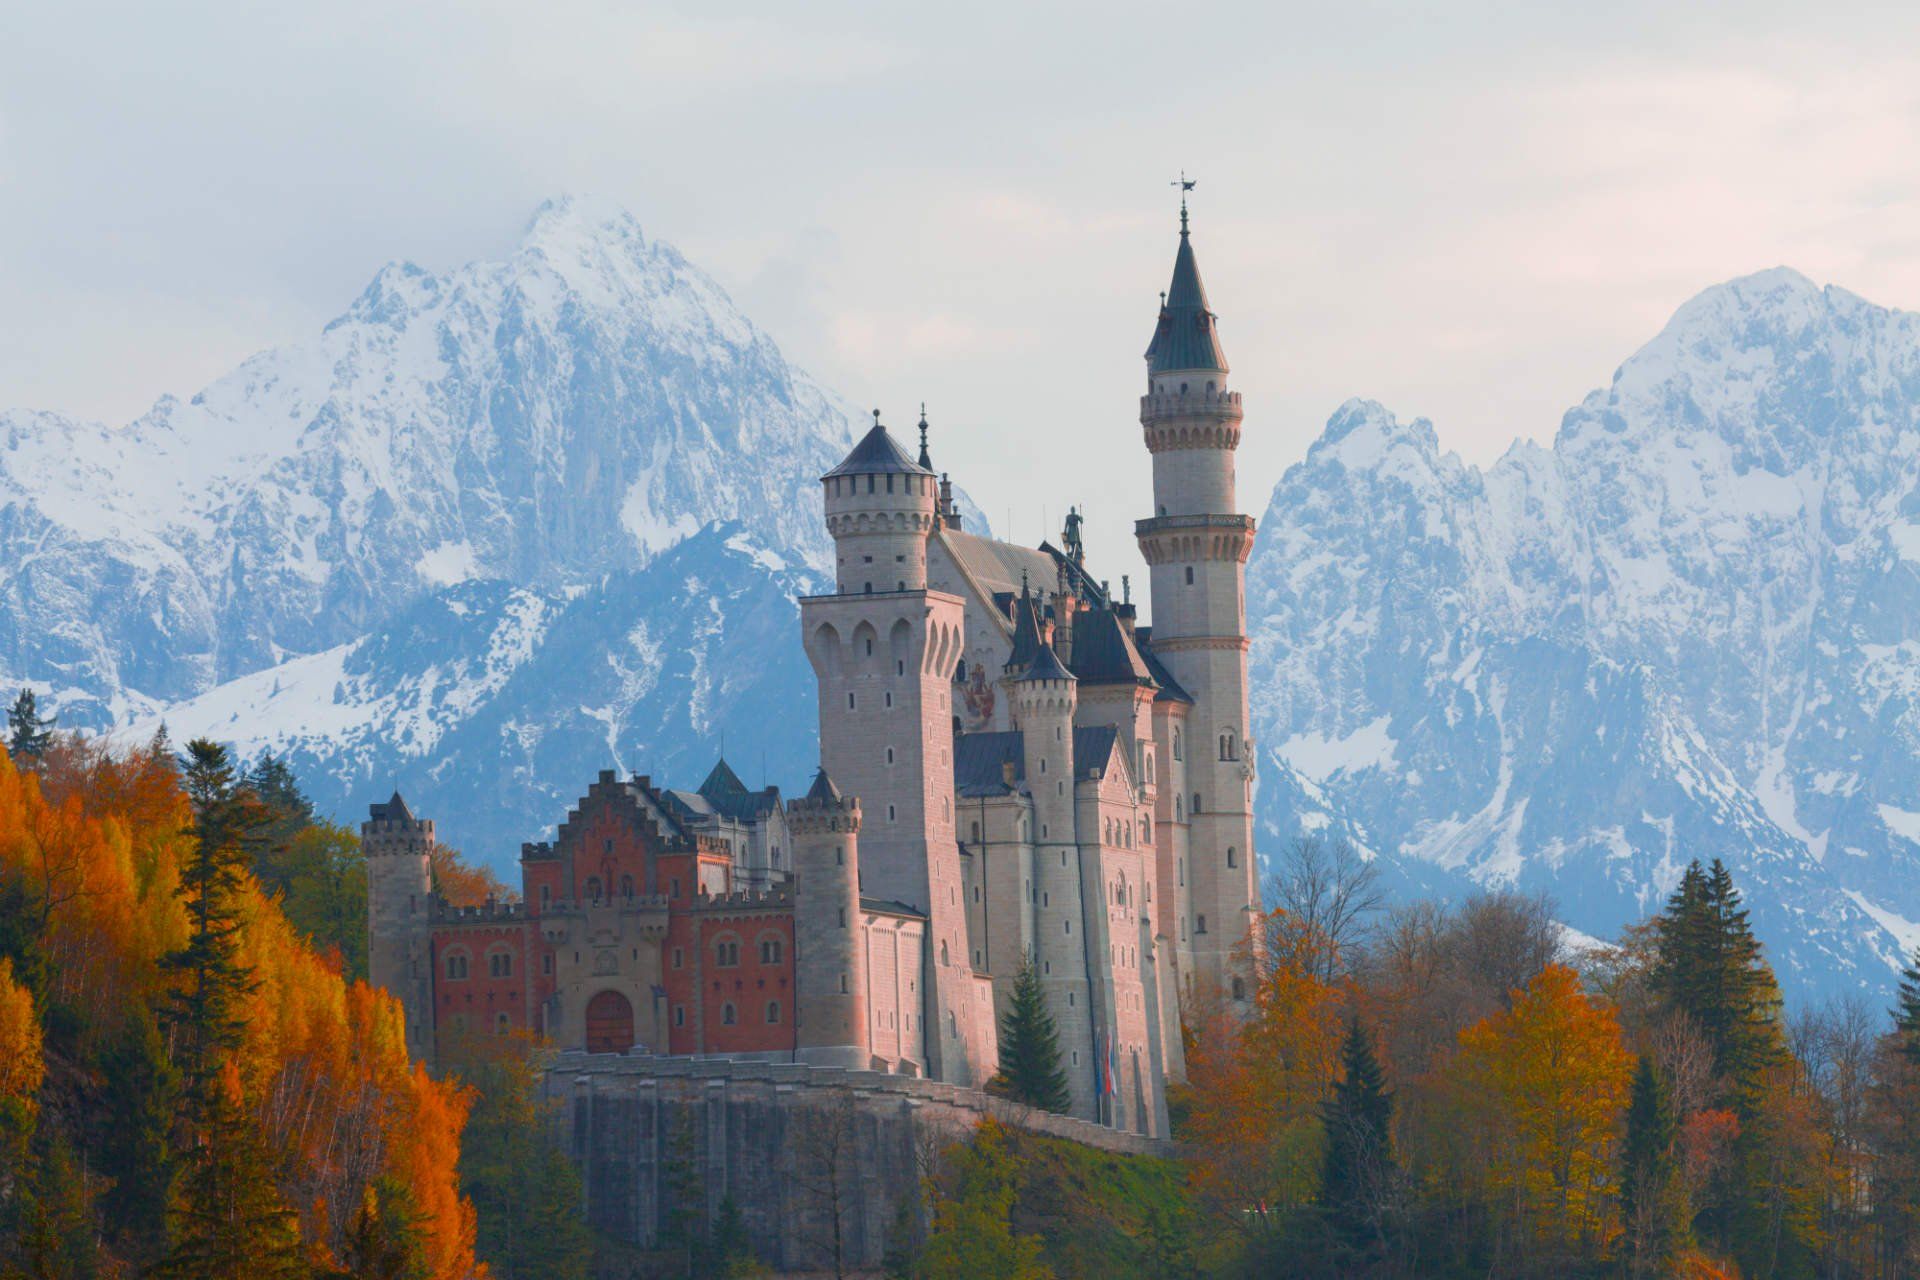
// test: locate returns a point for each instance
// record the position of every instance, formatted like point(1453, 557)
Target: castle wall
point(794, 1146)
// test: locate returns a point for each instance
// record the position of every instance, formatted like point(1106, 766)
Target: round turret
point(398, 848)
point(830, 973)
point(880, 511)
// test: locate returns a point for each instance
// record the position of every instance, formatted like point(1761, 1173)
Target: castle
point(1011, 770)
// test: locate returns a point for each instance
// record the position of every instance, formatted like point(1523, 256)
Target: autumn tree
point(972, 1236)
point(1030, 1070)
point(29, 734)
point(1543, 1083)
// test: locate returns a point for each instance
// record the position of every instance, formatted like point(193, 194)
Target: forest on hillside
point(195, 1080)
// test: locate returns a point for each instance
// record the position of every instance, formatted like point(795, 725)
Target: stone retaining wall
point(795, 1146)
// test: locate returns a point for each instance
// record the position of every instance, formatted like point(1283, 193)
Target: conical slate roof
point(394, 810)
point(1187, 335)
point(1045, 666)
point(1026, 631)
point(823, 788)
point(876, 454)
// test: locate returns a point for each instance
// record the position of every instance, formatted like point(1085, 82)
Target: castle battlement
point(745, 901)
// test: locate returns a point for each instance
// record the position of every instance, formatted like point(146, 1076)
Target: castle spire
point(1187, 335)
point(926, 459)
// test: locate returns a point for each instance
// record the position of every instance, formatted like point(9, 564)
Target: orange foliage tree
point(1540, 1091)
point(95, 843)
point(1256, 1087)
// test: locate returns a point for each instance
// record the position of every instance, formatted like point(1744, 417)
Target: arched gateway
point(609, 1023)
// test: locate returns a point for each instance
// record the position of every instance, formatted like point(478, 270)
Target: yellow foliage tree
point(1541, 1089)
point(22, 1063)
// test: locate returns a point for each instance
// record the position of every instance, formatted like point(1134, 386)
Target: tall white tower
point(1196, 547)
point(884, 649)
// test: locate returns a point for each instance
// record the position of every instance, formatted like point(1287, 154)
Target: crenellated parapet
point(835, 815)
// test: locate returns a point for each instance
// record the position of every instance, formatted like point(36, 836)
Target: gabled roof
point(1187, 334)
point(1103, 652)
point(877, 453)
point(1170, 690)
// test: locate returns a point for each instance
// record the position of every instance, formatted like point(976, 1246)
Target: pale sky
point(1470, 212)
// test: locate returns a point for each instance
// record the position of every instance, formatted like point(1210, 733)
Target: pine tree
point(1357, 1175)
point(136, 1152)
point(1906, 1012)
point(29, 734)
point(1030, 1047)
point(1651, 1199)
point(226, 1219)
point(1710, 965)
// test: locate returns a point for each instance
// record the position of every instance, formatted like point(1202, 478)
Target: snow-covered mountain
point(1690, 628)
point(545, 420)
point(490, 532)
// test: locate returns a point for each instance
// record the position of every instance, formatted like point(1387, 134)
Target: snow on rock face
point(1690, 628)
point(491, 706)
point(572, 411)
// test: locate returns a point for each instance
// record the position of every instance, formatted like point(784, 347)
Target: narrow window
point(1230, 856)
point(1200, 924)
point(843, 982)
point(679, 1015)
point(1189, 575)
point(727, 1015)
point(773, 1011)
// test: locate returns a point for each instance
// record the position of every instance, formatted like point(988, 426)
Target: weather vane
point(1185, 184)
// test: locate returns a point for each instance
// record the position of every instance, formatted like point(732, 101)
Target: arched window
point(457, 966)
point(499, 964)
point(1199, 924)
point(726, 954)
point(1189, 575)
point(975, 829)
point(1179, 809)
point(1196, 803)
point(626, 887)
point(943, 951)
point(773, 1011)
point(1176, 742)
point(1231, 860)
point(593, 888)
point(728, 1017)
point(1239, 989)
point(770, 950)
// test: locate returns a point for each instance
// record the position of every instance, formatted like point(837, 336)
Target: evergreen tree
point(1651, 1197)
point(137, 1123)
point(29, 734)
point(1030, 1048)
point(226, 1219)
point(530, 1211)
point(1709, 964)
point(1357, 1175)
point(1906, 1011)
